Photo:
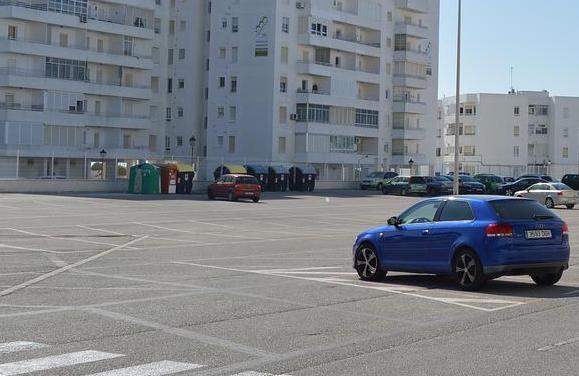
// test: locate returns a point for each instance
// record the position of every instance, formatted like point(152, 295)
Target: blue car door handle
point(425, 232)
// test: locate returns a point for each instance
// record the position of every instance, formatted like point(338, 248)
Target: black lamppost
point(103, 154)
point(411, 163)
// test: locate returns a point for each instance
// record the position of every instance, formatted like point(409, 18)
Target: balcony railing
point(15, 106)
point(405, 23)
point(330, 65)
point(309, 91)
point(78, 47)
point(10, 71)
point(355, 40)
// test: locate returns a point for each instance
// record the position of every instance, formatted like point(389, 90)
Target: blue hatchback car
point(472, 238)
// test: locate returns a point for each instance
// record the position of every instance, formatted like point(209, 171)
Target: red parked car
point(234, 187)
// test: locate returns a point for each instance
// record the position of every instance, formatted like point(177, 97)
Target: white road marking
point(59, 238)
point(28, 249)
point(196, 232)
point(452, 301)
point(102, 230)
point(152, 369)
point(559, 344)
point(67, 267)
point(11, 347)
point(51, 362)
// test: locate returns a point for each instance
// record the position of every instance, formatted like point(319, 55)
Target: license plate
point(538, 234)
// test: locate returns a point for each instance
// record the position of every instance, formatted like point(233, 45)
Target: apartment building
point(74, 84)
point(510, 134)
point(345, 85)
point(341, 85)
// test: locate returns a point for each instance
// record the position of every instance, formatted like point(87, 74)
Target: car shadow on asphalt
point(516, 286)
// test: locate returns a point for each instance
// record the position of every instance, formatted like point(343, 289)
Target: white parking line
point(152, 369)
point(11, 347)
point(559, 344)
point(51, 362)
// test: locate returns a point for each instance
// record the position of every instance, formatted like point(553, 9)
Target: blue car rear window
point(520, 209)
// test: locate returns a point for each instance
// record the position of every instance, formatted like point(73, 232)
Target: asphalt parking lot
point(118, 286)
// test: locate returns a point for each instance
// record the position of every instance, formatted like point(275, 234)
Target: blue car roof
point(486, 198)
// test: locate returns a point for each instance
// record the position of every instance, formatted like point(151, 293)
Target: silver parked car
point(551, 194)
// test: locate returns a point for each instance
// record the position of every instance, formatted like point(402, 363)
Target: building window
point(224, 23)
point(283, 115)
point(168, 114)
point(281, 145)
point(157, 25)
point(284, 55)
point(167, 143)
point(12, 32)
point(389, 16)
point(219, 141)
point(180, 112)
point(283, 84)
point(285, 24)
point(171, 27)
point(66, 69)
point(234, 24)
point(542, 129)
point(221, 81)
point(234, 84)
point(565, 152)
point(170, 56)
point(342, 144)
point(566, 132)
point(367, 118)
point(438, 152)
point(232, 113)
point(319, 29)
point(231, 146)
point(220, 112)
point(179, 141)
point(515, 151)
point(169, 85)
point(516, 111)
point(389, 42)
point(532, 109)
point(181, 83)
point(152, 142)
point(222, 52)
point(516, 131)
point(183, 26)
point(181, 53)
point(234, 55)
point(313, 113)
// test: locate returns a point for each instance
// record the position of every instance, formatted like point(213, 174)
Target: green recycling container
point(145, 179)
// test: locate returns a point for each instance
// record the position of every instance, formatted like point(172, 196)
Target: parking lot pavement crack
point(215, 341)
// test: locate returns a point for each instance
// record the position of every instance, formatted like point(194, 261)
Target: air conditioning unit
point(83, 18)
point(293, 117)
point(300, 5)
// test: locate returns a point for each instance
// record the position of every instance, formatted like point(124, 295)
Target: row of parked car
point(542, 188)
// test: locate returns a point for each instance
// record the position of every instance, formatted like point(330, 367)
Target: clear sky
point(539, 38)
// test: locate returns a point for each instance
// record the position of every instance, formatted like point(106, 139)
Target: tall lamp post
point(457, 110)
point(103, 154)
point(411, 164)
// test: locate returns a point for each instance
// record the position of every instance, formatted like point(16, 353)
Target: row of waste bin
point(276, 178)
point(147, 178)
point(177, 178)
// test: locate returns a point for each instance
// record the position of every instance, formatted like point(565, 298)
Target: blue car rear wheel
point(468, 270)
point(368, 264)
point(547, 279)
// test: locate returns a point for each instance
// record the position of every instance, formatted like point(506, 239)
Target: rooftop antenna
point(512, 90)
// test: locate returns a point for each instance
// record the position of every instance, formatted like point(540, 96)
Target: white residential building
point(337, 84)
point(511, 134)
point(74, 81)
point(340, 84)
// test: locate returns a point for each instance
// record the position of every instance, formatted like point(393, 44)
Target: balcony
point(36, 113)
point(36, 79)
point(356, 47)
point(355, 40)
point(414, 56)
point(409, 133)
point(414, 6)
point(412, 30)
point(411, 81)
point(318, 68)
point(108, 57)
point(409, 107)
point(131, 21)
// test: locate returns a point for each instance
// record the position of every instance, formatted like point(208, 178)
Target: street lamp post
point(411, 164)
point(103, 154)
point(192, 142)
point(457, 110)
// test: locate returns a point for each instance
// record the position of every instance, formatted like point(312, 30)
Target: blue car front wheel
point(368, 264)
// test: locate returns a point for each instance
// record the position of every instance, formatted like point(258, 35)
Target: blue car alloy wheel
point(472, 239)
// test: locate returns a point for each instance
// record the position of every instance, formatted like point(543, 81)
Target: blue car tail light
point(499, 230)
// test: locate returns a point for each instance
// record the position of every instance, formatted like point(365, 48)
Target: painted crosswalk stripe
point(11, 347)
point(57, 361)
point(152, 369)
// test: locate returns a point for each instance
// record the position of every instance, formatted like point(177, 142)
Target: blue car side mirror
point(394, 221)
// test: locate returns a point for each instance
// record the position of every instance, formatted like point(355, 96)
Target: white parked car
point(551, 194)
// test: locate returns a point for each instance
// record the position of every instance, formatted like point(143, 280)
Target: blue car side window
point(421, 213)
